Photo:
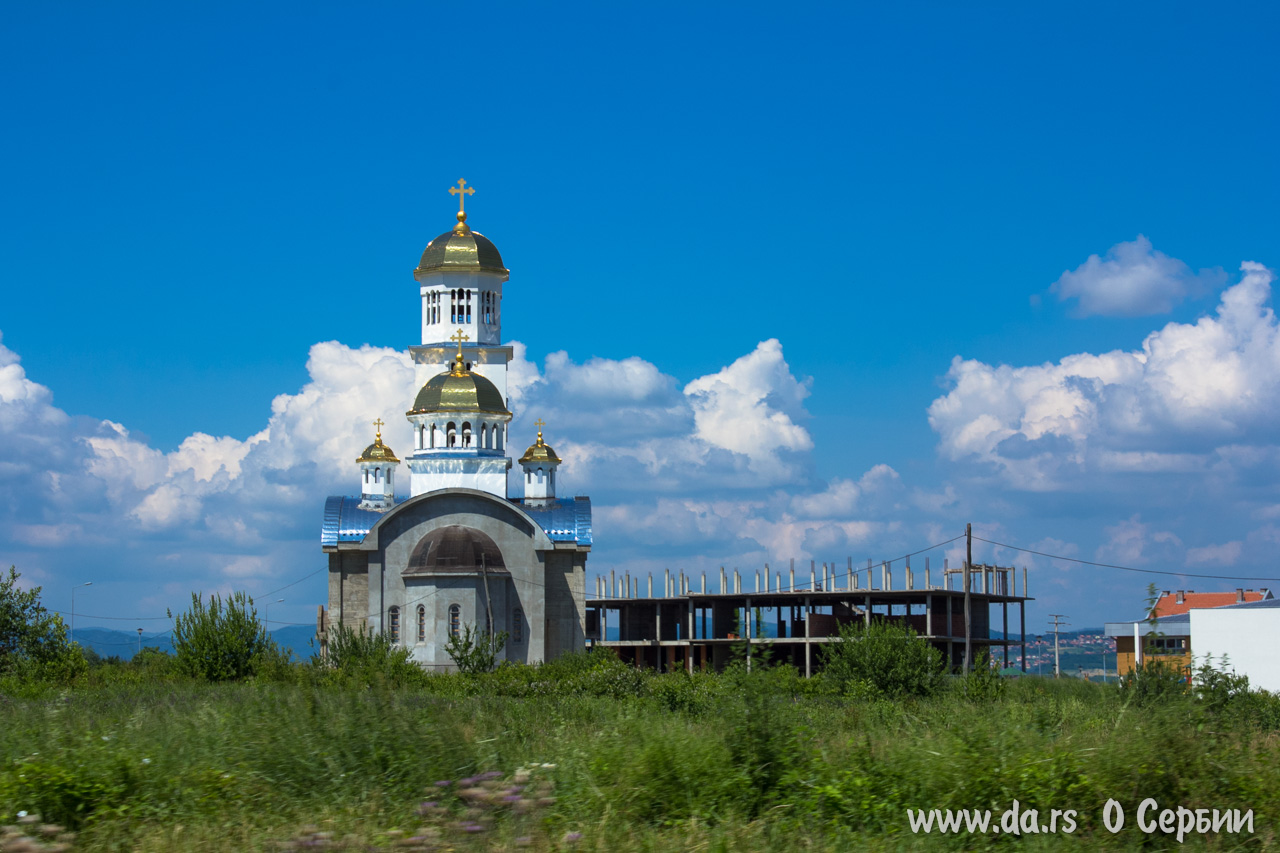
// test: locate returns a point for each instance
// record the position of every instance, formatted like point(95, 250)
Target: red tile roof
point(1168, 604)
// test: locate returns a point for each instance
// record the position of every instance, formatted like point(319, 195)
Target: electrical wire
point(1125, 568)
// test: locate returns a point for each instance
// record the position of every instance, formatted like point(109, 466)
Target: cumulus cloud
point(1178, 404)
point(220, 509)
point(1133, 280)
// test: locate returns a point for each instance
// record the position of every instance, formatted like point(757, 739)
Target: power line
point(1125, 568)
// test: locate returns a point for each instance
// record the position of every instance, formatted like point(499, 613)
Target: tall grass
point(740, 761)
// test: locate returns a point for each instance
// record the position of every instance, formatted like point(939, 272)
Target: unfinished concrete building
point(678, 626)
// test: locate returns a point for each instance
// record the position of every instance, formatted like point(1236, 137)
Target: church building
point(459, 550)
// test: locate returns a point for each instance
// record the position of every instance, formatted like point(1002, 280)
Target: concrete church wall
point(348, 589)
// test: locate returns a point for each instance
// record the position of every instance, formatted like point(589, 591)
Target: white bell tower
point(377, 474)
point(539, 464)
point(460, 279)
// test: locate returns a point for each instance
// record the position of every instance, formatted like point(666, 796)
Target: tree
point(886, 658)
point(222, 640)
point(362, 657)
point(33, 641)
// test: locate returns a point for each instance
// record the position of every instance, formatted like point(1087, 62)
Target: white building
point(458, 550)
point(1240, 638)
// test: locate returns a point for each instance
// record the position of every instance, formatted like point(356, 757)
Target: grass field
point(590, 755)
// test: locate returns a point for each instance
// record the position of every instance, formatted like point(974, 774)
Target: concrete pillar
point(808, 666)
point(911, 581)
point(737, 581)
point(724, 582)
point(758, 580)
point(777, 586)
point(627, 583)
point(928, 613)
point(704, 581)
point(792, 587)
point(613, 582)
point(813, 576)
point(650, 595)
point(666, 584)
point(928, 583)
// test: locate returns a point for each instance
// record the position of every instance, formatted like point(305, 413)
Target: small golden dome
point(540, 452)
point(378, 452)
point(459, 390)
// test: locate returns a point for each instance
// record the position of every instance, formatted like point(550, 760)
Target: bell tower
point(460, 279)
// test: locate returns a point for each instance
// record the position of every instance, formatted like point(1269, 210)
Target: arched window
point(377, 475)
point(393, 624)
point(451, 436)
point(453, 306)
point(501, 431)
point(366, 476)
point(422, 624)
point(466, 433)
point(517, 626)
point(468, 306)
point(484, 436)
point(455, 620)
point(433, 437)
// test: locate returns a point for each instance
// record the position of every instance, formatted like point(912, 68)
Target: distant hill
point(124, 644)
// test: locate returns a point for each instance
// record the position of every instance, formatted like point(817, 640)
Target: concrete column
point(777, 586)
point(650, 595)
point(928, 613)
point(808, 666)
point(666, 583)
point(688, 654)
point(657, 642)
point(813, 576)
point(792, 587)
point(724, 581)
point(758, 580)
point(911, 581)
point(737, 581)
point(704, 581)
point(613, 582)
point(928, 582)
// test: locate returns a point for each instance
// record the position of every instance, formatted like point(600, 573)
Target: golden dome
point(459, 390)
point(378, 452)
point(461, 249)
point(540, 452)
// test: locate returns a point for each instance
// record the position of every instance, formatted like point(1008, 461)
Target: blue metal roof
point(564, 520)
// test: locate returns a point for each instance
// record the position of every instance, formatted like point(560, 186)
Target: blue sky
point(194, 198)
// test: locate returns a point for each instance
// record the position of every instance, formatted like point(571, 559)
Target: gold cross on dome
point(378, 425)
point(462, 191)
point(539, 423)
point(458, 337)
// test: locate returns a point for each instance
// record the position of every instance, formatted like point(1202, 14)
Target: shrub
point(33, 641)
point(221, 641)
point(883, 658)
point(366, 658)
point(474, 652)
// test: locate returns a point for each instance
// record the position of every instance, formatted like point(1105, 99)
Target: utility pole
point(1057, 661)
point(968, 620)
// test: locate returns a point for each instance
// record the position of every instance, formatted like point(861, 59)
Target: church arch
point(484, 436)
point(455, 620)
point(451, 436)
point(422, 624)
point(433, 437)
point(393, 623)
point(466, 433)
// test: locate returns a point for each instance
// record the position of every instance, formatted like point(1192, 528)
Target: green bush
point(474, 652)
point(33, 641)
point(221, 641)
point(883, 658)
point(361, 657)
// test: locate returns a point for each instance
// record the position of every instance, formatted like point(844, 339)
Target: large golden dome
point(459, 390)
point(461, 249)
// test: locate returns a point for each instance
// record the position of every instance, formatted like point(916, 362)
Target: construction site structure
point(681, 627)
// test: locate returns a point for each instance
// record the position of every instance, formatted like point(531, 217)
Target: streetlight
point(73, 607)
point(268, 619)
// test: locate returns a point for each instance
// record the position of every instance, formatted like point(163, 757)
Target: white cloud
point(1133, 280)
point(1225, 554)
point(1191, 390)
